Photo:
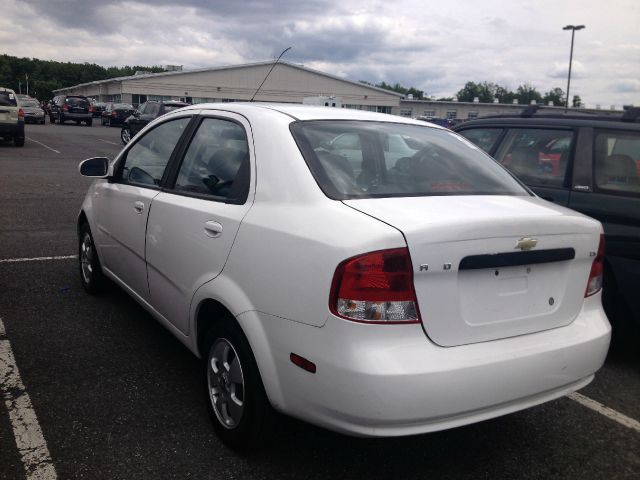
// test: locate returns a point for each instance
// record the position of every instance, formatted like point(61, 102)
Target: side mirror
point(136, 114)
point(97, 167)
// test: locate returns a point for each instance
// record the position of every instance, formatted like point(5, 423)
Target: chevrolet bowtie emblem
point(526, 243)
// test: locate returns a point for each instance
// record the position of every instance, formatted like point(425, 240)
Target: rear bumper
point(390, 380)
point(12, 130)
point(77, 116)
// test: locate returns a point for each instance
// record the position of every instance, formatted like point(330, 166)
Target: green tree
point(486, 92)
point(528, 92)
point(577, 101)
point(555, 95)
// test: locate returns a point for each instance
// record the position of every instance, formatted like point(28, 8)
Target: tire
point(18, 141)
point(89, 123)
point(77, 122)
point(125, 135)
point(238, 406)
point(91, 276)
point(52, 119)
point(60, 119)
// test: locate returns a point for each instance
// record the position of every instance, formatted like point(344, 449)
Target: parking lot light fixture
point(573, 29)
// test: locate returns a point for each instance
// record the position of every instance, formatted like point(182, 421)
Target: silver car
point(33, 113)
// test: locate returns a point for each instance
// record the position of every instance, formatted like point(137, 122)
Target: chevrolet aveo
point(367, 273)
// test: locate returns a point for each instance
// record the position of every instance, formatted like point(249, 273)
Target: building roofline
point(229, 67)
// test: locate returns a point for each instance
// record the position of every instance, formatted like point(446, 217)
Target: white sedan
point(398, 296)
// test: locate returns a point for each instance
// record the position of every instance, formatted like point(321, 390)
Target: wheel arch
point(210, 310)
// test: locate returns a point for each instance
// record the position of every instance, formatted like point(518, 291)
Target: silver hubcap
point(126, 135)
point(86, 257)
point(226, 383)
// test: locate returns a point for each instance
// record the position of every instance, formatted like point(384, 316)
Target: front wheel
point(91, 276)
point(125, 135)
point(89, 123)
point(238, 405)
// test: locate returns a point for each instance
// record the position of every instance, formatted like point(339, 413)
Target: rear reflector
point(376, 287)
point(303, 363)
point(597, 270)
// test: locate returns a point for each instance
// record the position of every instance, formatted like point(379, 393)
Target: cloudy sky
point(435, 46)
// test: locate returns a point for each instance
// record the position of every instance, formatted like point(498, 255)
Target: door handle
point(138, 207)
point(213, 229)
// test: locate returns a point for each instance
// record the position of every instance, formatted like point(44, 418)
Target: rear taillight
point(20, 114)
point(597, 270)
point(91, 109)
point(65, 108)
point(114, 114)
point(376, 287)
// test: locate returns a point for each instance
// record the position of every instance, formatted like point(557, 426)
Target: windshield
point(357, 159)
point(8, 99)
point(27, 103)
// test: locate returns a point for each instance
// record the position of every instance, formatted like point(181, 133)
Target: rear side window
point(537, 156)
point(358, 159)
point(216, 162)
point(152, 109)
point(485, 138)
point(8, 99)
point(147, 159)
point(617, 161)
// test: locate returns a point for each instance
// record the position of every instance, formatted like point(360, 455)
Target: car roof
point(550, 121)
point(309, 112)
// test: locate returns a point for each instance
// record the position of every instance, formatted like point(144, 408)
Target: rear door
point(193, 223)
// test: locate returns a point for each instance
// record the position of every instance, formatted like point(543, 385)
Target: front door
point(123, 209)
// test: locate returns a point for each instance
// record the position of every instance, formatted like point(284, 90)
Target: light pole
point(573, 29)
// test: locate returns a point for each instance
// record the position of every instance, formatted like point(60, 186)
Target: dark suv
point(71, 107)
point(587, 162)
point(145, 113)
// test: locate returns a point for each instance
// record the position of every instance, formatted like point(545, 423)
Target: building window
point(138, 99)
point(405, 112)
point(381, 109)
point(429, 113)
point(472, 115)
point(159, 98)
point(452, 114)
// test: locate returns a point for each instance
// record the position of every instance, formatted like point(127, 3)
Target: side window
point(148, 157)
point(485, 138)
point(142, 108)
point(617, 161)
point(152, 109)
point(537, 156)
point(217, 161)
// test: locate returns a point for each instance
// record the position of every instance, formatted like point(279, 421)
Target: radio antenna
point(269, 72)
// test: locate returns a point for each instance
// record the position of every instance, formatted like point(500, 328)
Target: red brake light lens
point(65, 108)
point(594, 285)
point(20, 114)
point(376, 287)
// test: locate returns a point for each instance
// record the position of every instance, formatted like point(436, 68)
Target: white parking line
point(112, 143)
point(26, 429)
point(606, 411)
point(37, 259)
point(45, 146)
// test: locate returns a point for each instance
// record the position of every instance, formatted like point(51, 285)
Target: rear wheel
point(89, 123)
point(91, 276)
point(18, 141)
point(238, 405)
point(125, 135)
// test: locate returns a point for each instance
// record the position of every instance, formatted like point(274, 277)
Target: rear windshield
point(8, 99)
point(77, 102)
point(123, 106)
point(357, 159)
point(30, 103)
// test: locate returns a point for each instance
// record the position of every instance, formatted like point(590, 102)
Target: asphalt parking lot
point(117, 397)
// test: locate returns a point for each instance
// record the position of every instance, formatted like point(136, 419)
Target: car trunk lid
point(490, 267)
